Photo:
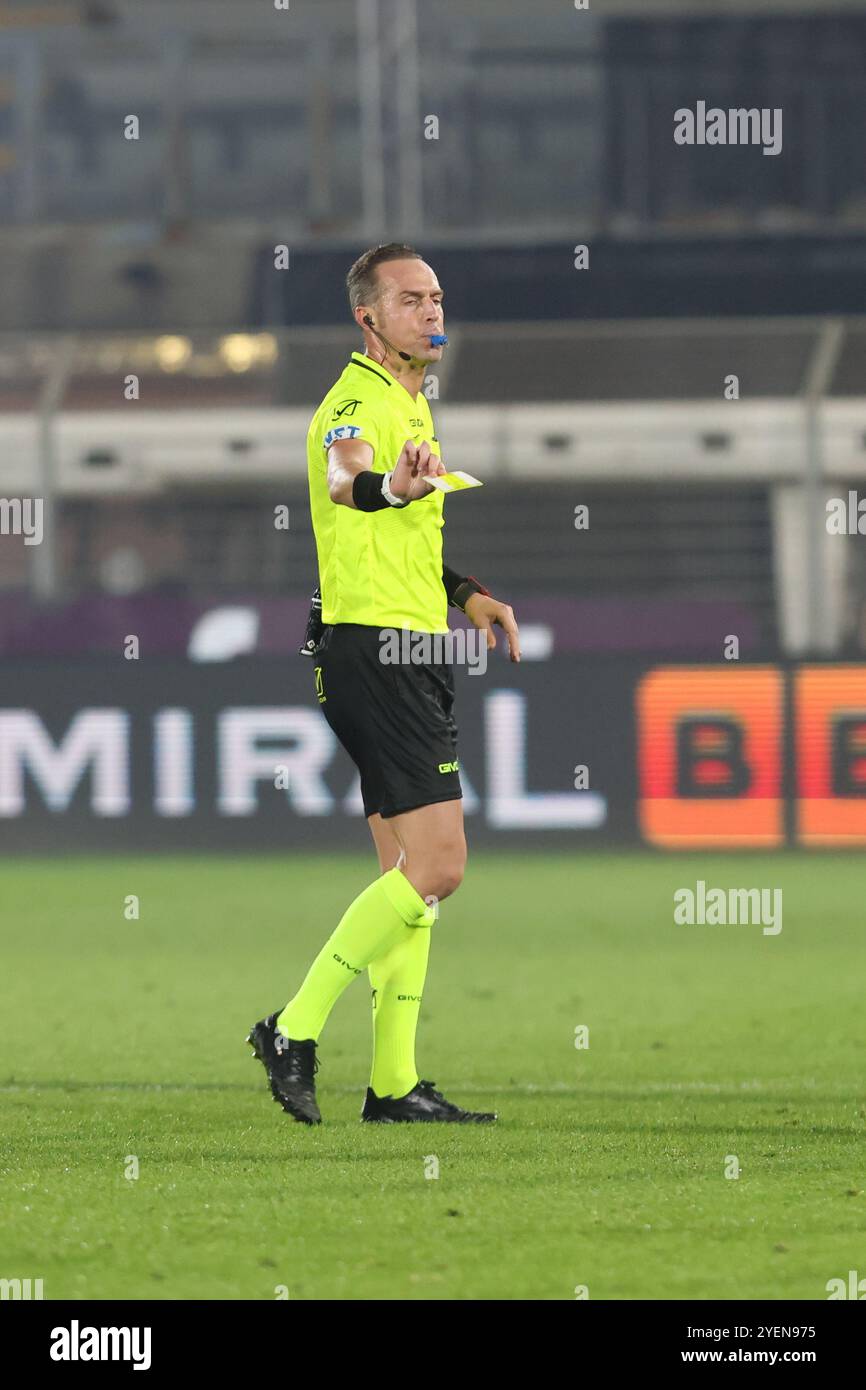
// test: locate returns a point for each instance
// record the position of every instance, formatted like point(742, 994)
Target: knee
point(448, 881)
point(449, 867)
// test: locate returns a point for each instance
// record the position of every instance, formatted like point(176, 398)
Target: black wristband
point(367, 491)
point(452, 581)
point(460, 590)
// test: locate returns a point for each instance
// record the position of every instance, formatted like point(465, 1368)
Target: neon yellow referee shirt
point(382, 569)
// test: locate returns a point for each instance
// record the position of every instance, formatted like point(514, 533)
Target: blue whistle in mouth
point(438, 339)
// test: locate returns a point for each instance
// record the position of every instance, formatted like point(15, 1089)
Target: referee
point(378, 529)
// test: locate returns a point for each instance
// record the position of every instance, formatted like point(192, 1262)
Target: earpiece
point(369, 322)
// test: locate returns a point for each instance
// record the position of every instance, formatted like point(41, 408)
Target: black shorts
point(394, 721)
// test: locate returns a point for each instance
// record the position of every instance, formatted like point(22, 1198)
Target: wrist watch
point(389, 495)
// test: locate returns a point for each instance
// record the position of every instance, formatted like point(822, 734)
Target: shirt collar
point(361, 361)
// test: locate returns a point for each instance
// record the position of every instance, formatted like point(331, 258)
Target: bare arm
point(346, 458)
point(349, 457)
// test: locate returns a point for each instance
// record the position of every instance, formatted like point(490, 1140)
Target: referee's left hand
point(416, 463)
point(483, 612)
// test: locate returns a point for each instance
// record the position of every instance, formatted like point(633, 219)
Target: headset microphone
point(436, 340)
point(405, 355)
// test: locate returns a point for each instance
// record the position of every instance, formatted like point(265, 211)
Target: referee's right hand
point(415, 463)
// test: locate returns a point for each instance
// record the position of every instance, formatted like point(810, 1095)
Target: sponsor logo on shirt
point(341, 432)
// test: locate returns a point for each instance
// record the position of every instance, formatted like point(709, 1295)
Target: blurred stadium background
point(172, 309)
point(602, 383)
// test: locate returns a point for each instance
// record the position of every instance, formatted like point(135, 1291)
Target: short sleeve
point(348, 419)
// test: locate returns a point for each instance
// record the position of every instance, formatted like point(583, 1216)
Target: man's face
point(409, 307)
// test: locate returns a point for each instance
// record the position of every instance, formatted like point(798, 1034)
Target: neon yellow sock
point(397, 980)
point(384, 914)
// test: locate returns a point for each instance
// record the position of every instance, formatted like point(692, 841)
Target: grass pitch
point(606, 1169)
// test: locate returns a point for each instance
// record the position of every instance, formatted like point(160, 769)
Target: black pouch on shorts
point(315, 627)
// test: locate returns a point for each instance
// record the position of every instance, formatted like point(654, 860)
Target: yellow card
point(454, 482)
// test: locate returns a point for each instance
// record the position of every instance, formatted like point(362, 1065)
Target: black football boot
point(424, 1104)
point(291, 1067)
